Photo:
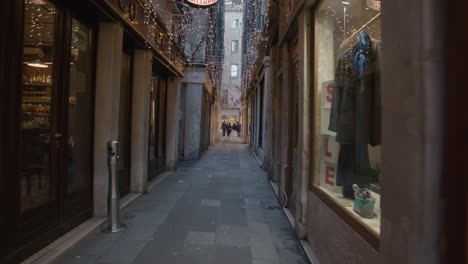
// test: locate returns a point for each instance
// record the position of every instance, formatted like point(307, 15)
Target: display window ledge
point(368, 231)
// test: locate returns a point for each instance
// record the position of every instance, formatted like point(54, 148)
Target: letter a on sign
point(330, 176)
point(201, 3)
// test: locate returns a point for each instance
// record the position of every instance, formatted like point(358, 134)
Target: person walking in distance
point(224, 128)
point(229, 128)
point(238, 128)
point(234, 126)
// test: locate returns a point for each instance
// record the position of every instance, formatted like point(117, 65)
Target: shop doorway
point(182, 108)
point(261, 123)
point(51, 130)
point(277, 128)
point(124, 137)
point(157, 134)
point(293, 127)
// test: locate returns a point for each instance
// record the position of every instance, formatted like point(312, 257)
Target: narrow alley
point(220, 209)
point(233, 132)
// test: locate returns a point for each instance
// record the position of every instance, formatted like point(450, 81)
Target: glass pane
point(124, 125)
point(348, 86)
point(162, 123)
point(153, 126)
point(36, 109)
point(80, 105)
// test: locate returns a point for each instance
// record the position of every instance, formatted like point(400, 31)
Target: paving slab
point(217, 210)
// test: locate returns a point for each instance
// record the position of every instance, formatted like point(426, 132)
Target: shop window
point(36, 106)
point(348, 113)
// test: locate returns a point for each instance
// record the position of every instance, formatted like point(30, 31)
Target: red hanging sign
point(202, 3)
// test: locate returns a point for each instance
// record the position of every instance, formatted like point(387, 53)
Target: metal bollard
point(113, 198)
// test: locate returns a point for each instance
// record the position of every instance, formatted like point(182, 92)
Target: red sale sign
point(330, 149)
point(327, 94)
point(328, 174)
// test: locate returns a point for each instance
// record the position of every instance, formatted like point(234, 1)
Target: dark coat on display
point(356, 112)
point(356, 108)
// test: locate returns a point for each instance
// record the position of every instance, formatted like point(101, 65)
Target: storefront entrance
point(126, 81)
point(157, 126)
point(293, 139)
point(49, 188)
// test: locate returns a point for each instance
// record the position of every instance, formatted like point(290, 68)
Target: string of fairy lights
point(197, 31)
point(256, 38)
point(192, 29)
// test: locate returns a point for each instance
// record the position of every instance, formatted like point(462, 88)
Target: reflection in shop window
point(36, 105)
point(348, 35)
point(80, 106)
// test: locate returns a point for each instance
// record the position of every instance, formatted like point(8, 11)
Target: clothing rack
point(359, 30)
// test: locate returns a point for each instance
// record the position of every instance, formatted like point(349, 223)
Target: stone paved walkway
point(218, 210)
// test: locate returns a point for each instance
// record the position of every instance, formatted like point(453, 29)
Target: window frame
point(356, 224)
point(231, 71)
point(236, 42)
point(235, 23)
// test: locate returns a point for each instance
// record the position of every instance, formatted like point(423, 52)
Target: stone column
point(172, 123)
point(305, 94)
point(267, 115)
point(106, 120)
point(140, 119)
point(412, 138)
point(193, 121)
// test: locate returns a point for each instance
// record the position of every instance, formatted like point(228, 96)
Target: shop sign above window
point(374, 4)
point(202, 3)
